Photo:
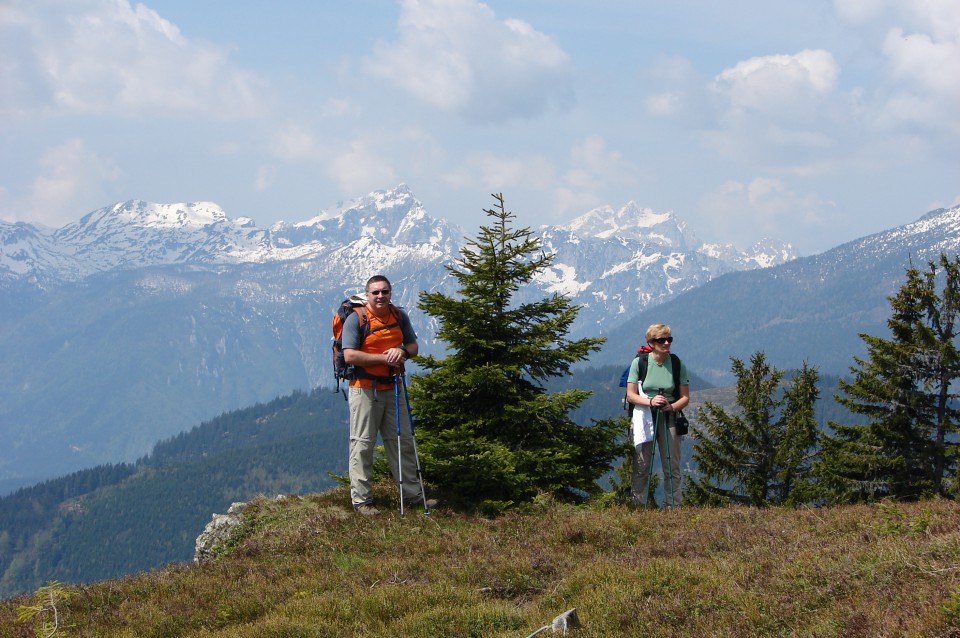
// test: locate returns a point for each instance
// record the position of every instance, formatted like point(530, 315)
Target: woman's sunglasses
point(662, 340)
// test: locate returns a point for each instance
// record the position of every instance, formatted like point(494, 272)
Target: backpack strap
point(365, 329)
point(675, 369)
point(397, 313)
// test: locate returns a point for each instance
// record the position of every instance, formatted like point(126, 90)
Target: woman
point(658, 385)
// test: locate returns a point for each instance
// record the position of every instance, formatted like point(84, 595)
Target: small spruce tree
point(904, 449)
point(492, 436)
point(763, 455)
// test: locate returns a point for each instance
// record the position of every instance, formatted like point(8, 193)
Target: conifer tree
point(902, 388)
point(492, 436)
point(763, 454)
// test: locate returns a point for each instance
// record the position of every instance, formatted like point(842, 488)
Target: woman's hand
point(661, 402)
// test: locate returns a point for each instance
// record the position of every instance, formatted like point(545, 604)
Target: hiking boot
point(366, 509)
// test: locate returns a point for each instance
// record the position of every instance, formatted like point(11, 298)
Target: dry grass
point(310, 567)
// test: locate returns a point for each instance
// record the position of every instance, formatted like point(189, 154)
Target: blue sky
point(814, 122)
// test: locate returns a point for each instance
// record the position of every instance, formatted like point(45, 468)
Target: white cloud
point(778, 83)
point(295, 143)
point(673, 89)
point(781, 112)
point(361, 167)
point(265, 177)
point(763, 205)
point(919, 44)
point(579, 184)
point(107, 57)
point(926, 73)
point(790, 116)
point(457, 56)
point(664, 104)
point(499, 172)
point(940, 18)
point(381, 158)
point(859, 10)
point(593, 166)
point(71, 178)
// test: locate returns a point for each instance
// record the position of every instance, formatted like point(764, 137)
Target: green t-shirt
point(659, 377)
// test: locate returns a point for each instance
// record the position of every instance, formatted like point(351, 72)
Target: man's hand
point(395, 357)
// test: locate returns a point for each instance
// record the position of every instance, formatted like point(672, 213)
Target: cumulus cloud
point(778, 83)
point(926, 73)
point(920, 47)
point(673, 89)
point(457, 56)
point(294, 143)
point(859, 10)
point(360, 167)
point(763, 205)
point(782, 112)
point(265, 177)
point(108, 57)
point(496, 172)
point(369, 161)
point(71, 177)
point(580, 183)
point(791, 115)
point(594, 166)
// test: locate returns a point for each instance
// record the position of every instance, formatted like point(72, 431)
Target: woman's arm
point(634, 397)
point(684, 399)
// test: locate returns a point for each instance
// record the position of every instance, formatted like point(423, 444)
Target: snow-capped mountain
point(609, 260)
point(619, 260)
point(136, 234)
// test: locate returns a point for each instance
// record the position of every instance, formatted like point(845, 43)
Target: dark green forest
point(118, 519)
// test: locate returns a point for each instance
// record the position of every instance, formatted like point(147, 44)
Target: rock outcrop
point(218, 531)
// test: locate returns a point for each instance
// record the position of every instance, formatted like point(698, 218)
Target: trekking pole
point(666, 437)
point(653, 455)
point(396, 403)
point(669, 472)
point(658, 422)
point(416, 455)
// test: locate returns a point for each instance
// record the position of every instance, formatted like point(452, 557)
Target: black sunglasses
point(662, 340)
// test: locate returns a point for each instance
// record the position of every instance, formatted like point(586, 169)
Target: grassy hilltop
point(308, 566)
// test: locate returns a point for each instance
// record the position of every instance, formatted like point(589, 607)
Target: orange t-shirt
point(382, 334)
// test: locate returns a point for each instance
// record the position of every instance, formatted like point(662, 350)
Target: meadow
point(310, 567)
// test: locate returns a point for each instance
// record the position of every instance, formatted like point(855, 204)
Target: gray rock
point(217, 531)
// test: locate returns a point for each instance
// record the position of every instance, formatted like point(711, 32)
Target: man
point(378, 351)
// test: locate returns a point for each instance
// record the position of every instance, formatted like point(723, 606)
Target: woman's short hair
point(657, 330)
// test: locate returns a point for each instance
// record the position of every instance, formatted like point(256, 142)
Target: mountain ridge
point(115, 236)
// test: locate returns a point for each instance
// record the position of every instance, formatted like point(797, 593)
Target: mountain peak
point(629, 220)
point(140, 214)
